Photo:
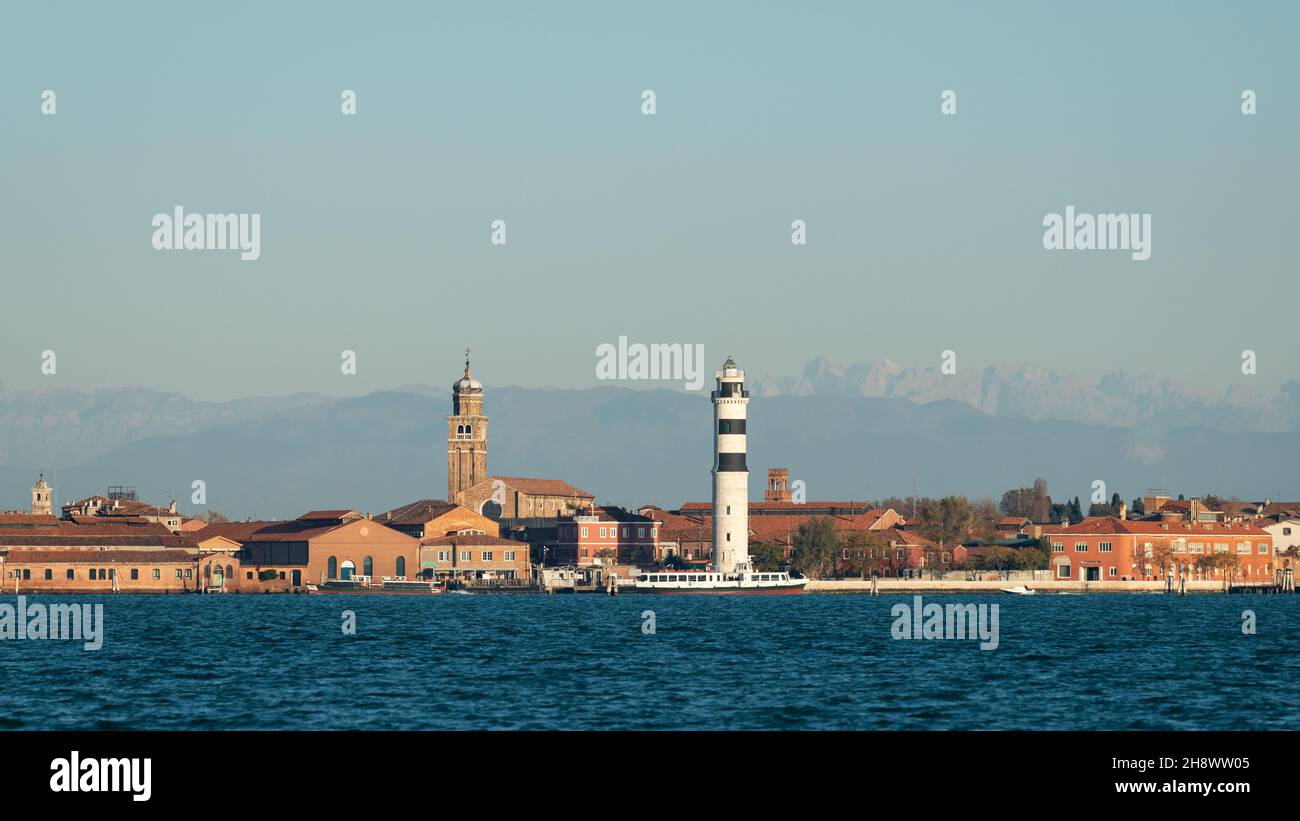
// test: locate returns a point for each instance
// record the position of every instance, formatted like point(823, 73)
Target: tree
point(212, 517)
point(767, 556)
point(864, 552)
point(816, 548)
point(984, 519)
point(945, 520)
point(1031, 503)
point(1001, 560)
point(1032, 558)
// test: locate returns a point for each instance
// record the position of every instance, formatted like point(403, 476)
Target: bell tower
point(466, 435)
point(42, 498)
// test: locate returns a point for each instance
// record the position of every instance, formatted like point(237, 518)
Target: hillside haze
point(280, 457)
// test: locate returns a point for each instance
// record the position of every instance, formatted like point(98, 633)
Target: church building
point(496, 497)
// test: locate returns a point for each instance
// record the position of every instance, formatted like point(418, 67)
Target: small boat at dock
point(364, 584)
point(1019, 590)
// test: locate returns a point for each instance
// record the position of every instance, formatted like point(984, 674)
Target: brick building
point(42, 553)
point(474, 556)
point(605, 535)
point(434, 517)
point(318, 545)
point(520, 497)
point(1108, 548)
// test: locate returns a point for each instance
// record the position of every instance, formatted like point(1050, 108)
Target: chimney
point(1123, 511)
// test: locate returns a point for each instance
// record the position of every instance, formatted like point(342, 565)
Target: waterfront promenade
point(889, 586)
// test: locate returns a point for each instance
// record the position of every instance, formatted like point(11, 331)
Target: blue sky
point(924, 231)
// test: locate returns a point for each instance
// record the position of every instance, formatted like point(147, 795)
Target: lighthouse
point(730, 474)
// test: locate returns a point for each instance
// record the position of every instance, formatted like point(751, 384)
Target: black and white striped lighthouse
point(730, 473)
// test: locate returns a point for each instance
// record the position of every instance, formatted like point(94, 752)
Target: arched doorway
point(401, 567)
point(348, 569)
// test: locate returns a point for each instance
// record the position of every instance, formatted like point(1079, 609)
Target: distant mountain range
point(1119, 399)
point(277, 457)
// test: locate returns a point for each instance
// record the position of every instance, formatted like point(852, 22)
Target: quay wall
point(892, 586)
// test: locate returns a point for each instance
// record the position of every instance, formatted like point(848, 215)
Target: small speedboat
point(1019, 590)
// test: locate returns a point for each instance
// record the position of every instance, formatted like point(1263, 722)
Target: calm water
point(536, 662)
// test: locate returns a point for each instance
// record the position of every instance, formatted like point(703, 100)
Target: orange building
point(474, 556)
point(1112, 549)
point(605, 535)
point(434, 517)
point(42, 553)
point(318, 545)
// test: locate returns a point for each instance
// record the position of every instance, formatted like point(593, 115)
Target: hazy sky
point(924, 231)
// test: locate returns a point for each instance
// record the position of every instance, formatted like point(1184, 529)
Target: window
point(466, 555)
point(368, 566)
point(331, 568)
point(487, 555)
point(442, 555)
point(401, 565)
point(510, 555)
point(248, 575)
point(1195, 547)
point(1106, 547)
point(602, 533)
point(1263, 548)
point(102, 571)
point(1112, 571)
point(1062, 571)
point(1286, 531)
point(584, 533)
point(1220, 547)
point(626, 532)
point(1058, 547)
point(640, 532)
point(70, 574)
point(1080, 547)
point(27, 574)
point(135, 574)
point(1243, 547)
point(189, 573)
point(49, 575)
point(179, 574)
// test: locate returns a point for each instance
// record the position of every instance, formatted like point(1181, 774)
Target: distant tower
point(42, 498)
point(466, 435)
point(778, 485)
point(730, 474)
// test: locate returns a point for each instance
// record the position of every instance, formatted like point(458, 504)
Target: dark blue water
point(538, 662)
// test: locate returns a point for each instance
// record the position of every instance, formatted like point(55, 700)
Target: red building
point(1106, 548)
point(611, 535)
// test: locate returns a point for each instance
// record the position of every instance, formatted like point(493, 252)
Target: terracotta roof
point(606, 514)
point(36, 556)
point(858, 508)
point(293, 530)
point(65, 539)
point(328, 515)
point(28, 520)
point(236, 531)
point(416, 513)
point(473, 539)
point(543, 487)
point(1107, 525)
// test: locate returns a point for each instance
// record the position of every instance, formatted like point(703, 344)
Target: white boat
point(704, 581)
point(1019, 590)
